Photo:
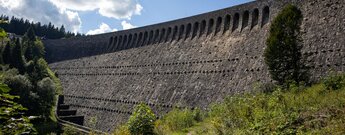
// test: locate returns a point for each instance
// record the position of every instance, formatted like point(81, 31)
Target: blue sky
point(99, 16)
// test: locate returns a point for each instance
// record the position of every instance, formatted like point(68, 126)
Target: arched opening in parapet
point(145, 38)
point(168, 34)
point(210, 26)
point(219, 24)
point(129, 41)
point(202, 27)
point(150, 37)
point(110, 41)
point(113, 46)
point(139, 39)
point(245, 19)
point(195, 29)
point(174, 33)
point(161, 36)
point(156, 37)
point(124, 44)
point(134, 40)
point(236, 21)
point(180, 35)
point(189, 28)
point(255, 17)
point(227, 23)
point(118, 47)
point(265, 15)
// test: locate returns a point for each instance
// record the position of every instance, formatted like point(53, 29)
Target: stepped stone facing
point(190, 62)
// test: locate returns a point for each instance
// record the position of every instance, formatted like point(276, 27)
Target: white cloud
point(41, 11)
point(118, 9)
point(126, 25)
point(103, 28)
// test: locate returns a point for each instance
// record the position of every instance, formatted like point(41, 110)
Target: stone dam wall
point(190, 62)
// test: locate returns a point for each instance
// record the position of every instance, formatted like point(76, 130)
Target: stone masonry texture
point(190, 62)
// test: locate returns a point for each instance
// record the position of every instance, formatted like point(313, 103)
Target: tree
point(37, 70)
point(283, 53)
point(6, 54)
point(34, 47)
point(17, 57)
point(46, 93)
point(142, 120)
point(30, 33)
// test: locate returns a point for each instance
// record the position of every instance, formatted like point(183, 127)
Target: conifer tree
point(6, 54)
point(17, 57)
point(283, 53)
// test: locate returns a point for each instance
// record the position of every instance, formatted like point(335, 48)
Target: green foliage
point(6, 54)
point(122, 130)
point(11, 119)
point(283, 53)
point(334, 82)
point(298, 110)
point(34, 48)
point(177, 121)
point(46, 93)
point(142, 120)
point(19, 26)
point(30, 34)
point(17, 57)
point(37, 69)
point(3, 33)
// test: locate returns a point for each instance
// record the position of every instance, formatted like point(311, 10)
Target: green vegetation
point(11, 119)
point(32, 84)
point(20, 25)
point(142, 120)
point(297, 110)
point(177, 121)
point(283, 53)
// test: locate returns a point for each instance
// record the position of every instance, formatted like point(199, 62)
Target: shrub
point(283, 53)
point(334, 82)
point(46, 93)
point(11, 119)
point(178, 120)
point(142, 120)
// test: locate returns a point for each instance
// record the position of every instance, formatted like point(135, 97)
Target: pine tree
point(17, 57)
point(30, 33)
point(283, 53)
point(6, 54)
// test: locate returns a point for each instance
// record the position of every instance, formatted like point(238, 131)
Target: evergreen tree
point(17, 57)
point(283, 53)
point(6, 54)
point(30, 33)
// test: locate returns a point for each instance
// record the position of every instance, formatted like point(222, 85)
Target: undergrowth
point(318, 109)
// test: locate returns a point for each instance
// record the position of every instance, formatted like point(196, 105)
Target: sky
point(101, 16)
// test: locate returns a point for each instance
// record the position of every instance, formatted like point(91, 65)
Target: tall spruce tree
point(17, 57)
point(6, 54)
point(283, 53)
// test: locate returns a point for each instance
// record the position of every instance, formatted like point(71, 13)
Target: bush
point(334, 82)
point(178, 120)
point(46, 93)
point(142, 120)
point(283, 53)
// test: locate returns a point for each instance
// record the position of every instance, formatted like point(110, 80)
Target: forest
point(19, 26)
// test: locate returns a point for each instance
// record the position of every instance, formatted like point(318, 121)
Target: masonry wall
point(190, 62)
